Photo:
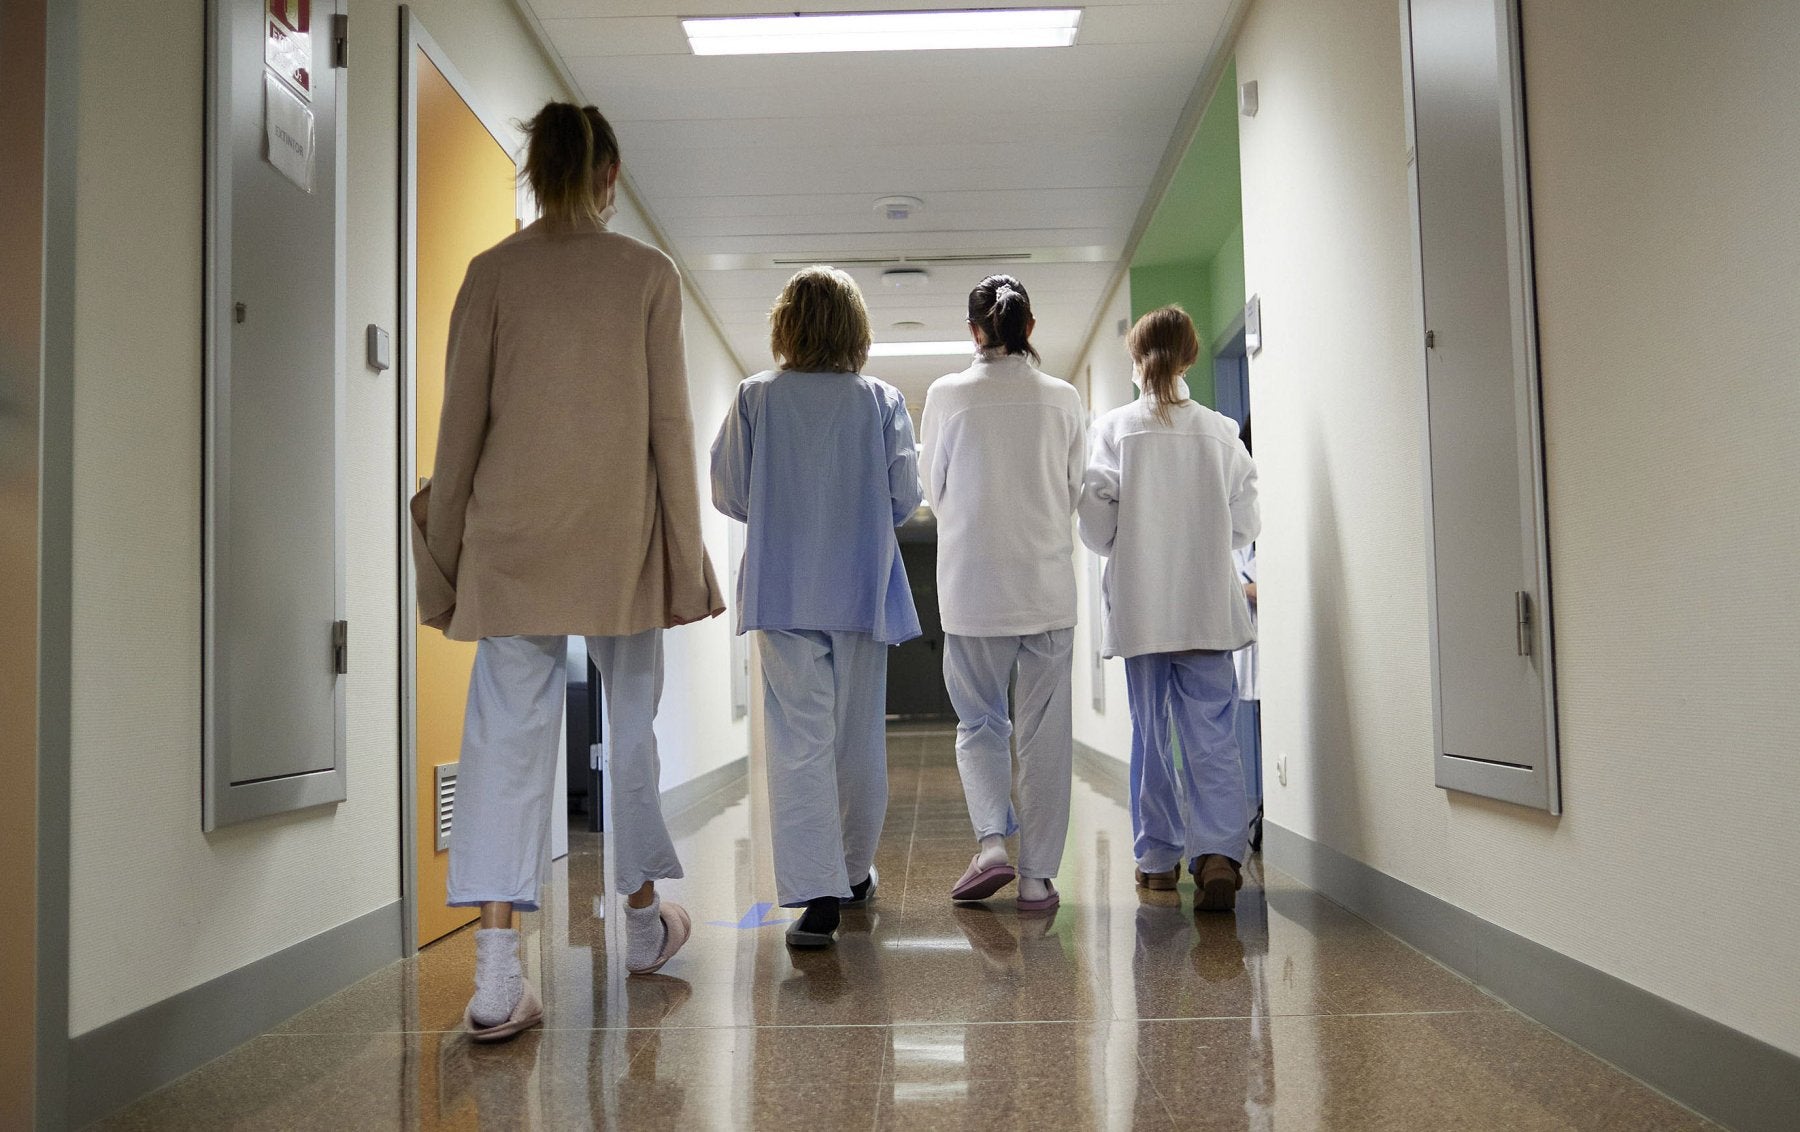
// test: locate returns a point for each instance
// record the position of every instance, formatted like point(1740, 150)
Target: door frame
point(413, 40)
point(1231, 346)
point(43, 75)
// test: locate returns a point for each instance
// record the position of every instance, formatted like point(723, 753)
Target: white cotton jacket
point(1167, 504)
point(1002, 459)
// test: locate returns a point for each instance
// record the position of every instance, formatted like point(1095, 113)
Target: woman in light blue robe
point(819, 462)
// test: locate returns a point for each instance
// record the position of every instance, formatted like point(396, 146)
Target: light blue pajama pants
point(1208, 812)
point(977, 671)
point(518, 691)
point(825, 741)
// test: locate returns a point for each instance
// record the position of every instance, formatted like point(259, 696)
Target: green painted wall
point(1225, 285)
point(1204, 202)
point(1193, 251)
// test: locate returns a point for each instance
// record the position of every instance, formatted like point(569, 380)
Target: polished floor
point(1124, 1010)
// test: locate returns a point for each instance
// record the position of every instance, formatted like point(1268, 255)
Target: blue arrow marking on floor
point(755, 918)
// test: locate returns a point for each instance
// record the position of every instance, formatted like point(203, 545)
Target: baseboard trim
point(1102, 771)
point(115, 1064)
point(679, 799)
point(1721, 1073)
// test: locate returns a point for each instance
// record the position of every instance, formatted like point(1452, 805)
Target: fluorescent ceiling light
point(920, 349)
point(883, 31)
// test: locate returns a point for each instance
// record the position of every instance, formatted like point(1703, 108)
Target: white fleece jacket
point(1167, 504)
point(1001, 465)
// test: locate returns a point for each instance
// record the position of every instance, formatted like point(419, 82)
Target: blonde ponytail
point(1164, 345)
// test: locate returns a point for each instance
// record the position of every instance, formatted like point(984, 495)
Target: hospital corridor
point(1121, 1010)
point(892, 564)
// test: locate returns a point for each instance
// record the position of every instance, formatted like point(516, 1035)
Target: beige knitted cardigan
point(564, 497)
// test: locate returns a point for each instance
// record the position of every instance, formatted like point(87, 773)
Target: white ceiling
point(744, 160)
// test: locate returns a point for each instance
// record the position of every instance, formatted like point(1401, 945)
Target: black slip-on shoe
point(862, 892)
point(817, 926)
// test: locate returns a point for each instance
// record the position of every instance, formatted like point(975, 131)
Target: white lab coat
point(1167, 504)
point(1002, 466)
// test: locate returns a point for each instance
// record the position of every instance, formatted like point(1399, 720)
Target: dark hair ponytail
point(569, 149)
point(1001, 310)
point(1165, 345)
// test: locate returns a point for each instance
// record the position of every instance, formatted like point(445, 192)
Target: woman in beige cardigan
point(564, 501)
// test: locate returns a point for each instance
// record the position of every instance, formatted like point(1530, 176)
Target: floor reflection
point(1122, 1010)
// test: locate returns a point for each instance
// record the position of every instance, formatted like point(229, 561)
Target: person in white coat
point(1002, 465)
point(1168, 494)
point(1249, 721)
point(1249, 666)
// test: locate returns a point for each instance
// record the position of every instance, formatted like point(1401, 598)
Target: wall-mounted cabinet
point(1493, 682)
point(275, 641)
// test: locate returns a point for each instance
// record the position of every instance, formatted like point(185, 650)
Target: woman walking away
point(1169, 493)
point(1248, 662)
point(818, 460)
point(565, 501)
point(1003, 457)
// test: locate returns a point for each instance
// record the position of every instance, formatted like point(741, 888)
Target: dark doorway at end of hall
point(915, 687)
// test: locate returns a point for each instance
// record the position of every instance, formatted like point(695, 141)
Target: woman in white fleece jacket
point(1002, 464)
point(1169, 493)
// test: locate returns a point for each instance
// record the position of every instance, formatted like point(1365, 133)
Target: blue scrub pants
point(518, 692)
point(1194, 694)
point(825, 744)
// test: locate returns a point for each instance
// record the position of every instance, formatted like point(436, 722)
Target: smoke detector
point(898, 208)
point(906, 278)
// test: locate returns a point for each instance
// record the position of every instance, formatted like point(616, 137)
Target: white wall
point(1663, 157)
point(1104, 377)
point(157, 906)
point(695, 731)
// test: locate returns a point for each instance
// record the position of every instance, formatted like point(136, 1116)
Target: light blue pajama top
point(822, 468)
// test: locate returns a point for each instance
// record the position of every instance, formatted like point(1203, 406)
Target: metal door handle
point(1522, 619)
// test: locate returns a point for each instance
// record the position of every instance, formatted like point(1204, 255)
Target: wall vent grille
point(446, 802)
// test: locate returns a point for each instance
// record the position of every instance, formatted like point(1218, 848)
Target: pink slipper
point(979, 883)
point(676, 929)
point(1047, 904)
point(528, 1013)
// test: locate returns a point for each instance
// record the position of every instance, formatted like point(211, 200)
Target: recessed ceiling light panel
point(883, 31)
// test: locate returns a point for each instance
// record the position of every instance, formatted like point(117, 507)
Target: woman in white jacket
point(1169, 493)
point(1002, 464)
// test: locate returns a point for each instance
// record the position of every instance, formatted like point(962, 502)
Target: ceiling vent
point(906, 278)
point(886, 257)
point(882, 260)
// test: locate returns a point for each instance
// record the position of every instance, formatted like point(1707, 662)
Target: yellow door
point(466, 203)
